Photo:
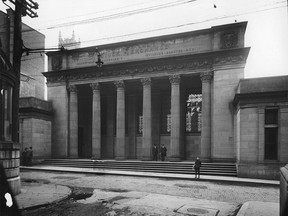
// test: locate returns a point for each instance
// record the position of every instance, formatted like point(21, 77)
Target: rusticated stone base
point(259, 171)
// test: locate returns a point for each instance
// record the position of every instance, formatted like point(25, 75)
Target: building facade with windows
point(261, 126)
point(177, 90)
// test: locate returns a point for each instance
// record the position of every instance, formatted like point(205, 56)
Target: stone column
point(206, 78)
point(96, 121)
point(175, 118)
point(73, 122)
point(147, 118)
point(120, 121)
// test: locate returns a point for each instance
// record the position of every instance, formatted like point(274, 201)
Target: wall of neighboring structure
point(36, 133)
point(253, 98)
point(32, 65)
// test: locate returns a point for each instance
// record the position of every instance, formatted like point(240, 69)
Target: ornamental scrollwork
point(229, 40)
point(175, 79)
point(146, 81)
point(72, 88)
point(119, 84)
point(95, 86)
point(206, 76)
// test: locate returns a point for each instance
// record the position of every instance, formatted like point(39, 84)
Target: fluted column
point(73, 122)
point(120, 121)
point(175, 118)
point(96, 121)
point(206, 78)
point(147, 118)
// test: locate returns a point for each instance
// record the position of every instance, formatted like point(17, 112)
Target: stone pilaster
point(120, 121)
point(147, 119)
point(206, 78)
point(96, 121)
point(175, 118)
point(73, 122)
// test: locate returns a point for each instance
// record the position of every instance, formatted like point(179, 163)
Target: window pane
point(271, 116)
point(193, 112)
point(271, 145)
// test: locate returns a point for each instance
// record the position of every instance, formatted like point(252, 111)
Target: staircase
point(216, 169)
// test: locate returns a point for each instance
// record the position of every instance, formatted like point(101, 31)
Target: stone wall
point(224, 89)
point(36, 133)
point(35, 126)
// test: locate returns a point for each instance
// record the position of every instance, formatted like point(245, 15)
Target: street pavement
point(37, 193)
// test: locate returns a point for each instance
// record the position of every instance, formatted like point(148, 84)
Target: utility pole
point(22, 8)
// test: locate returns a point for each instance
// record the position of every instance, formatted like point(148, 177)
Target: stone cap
point(263, 84)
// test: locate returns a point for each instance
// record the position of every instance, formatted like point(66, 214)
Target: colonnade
point(175, 136)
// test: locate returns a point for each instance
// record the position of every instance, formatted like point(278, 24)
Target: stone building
point(35, 112)
point(186, 91)
point(261, 126)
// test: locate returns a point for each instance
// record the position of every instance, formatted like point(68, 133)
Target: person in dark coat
point(24, 157)
point(163, 152)
point(155, 152)
point(197, 166)
point(29, 156)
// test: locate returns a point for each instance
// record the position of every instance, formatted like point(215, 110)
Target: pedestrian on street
point(197, 166)
point(163, 152)
point(155, 152)
point(24, 157)
point(29, 156)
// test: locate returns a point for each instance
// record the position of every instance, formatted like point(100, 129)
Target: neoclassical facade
point(175, 90)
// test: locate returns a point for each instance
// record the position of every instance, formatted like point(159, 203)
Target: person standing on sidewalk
point(155, 152)
point(197, 166)
point(24, 157)
point(163, 152)
point(29, 156)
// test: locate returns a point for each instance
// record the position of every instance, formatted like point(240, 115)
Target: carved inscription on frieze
point(143, 51)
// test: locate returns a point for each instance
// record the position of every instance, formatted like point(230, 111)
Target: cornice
point(172, 65)
point(260, 97)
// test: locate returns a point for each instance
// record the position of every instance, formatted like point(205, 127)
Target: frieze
point(148, 50)
point(193, 64)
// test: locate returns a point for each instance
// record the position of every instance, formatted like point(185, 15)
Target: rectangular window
point(271, 134)
point(193, 113)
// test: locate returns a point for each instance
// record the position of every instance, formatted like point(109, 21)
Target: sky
point(98, 22)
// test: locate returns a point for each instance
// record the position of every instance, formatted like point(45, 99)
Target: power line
point(179, 26)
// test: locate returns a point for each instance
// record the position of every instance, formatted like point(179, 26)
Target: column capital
point(72, 88)
point(146, 81)
point(119, 84)
point(175, 79)
point(95, 86)
point(206, 76)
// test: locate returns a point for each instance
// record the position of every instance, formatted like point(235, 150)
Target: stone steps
point(219, 169)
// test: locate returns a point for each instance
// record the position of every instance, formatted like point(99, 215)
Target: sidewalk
point(151, 174)
point(35, 194)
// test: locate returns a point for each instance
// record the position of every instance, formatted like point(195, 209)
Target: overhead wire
point(187, 24)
